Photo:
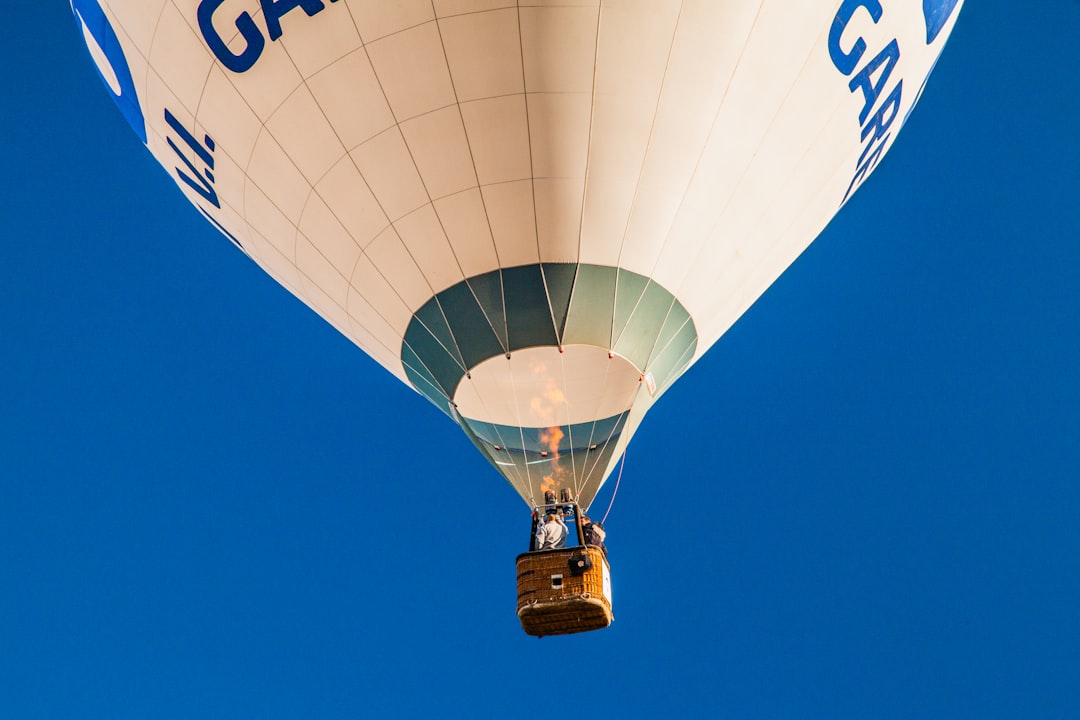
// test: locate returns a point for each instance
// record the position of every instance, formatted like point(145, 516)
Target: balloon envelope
point(538, 215)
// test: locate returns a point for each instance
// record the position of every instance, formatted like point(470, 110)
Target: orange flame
point(547, 404)
point(551, 438)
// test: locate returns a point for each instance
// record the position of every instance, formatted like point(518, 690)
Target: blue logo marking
point(201, 180)
point(272, 11)
point(872, 81)
point(99, 31)
point(937, 13)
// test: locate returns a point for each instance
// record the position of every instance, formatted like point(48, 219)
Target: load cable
point(615, 492)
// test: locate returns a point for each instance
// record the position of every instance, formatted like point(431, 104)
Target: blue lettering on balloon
point(878, 124)
point(202, 182)
point(871, 80)
point(254, 39)
point(273, 10)
point(845, 61)
point(97, 26)
point(863, 80)
point(877, 131)
point(255, 42)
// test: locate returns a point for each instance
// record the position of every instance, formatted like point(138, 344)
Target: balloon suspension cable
point(615, 492)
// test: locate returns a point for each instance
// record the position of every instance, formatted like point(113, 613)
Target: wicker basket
point(553, 601)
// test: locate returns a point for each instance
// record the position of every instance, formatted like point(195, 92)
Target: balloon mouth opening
point(548, 386)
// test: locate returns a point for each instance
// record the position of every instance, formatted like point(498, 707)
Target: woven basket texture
point(552, 601)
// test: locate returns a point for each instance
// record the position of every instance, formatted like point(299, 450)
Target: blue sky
point(864, 502)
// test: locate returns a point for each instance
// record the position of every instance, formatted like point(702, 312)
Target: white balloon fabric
point(537, 213)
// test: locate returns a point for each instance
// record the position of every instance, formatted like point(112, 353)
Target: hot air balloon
point(538, 214)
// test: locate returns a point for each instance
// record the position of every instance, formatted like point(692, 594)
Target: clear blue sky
point(863, 503)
